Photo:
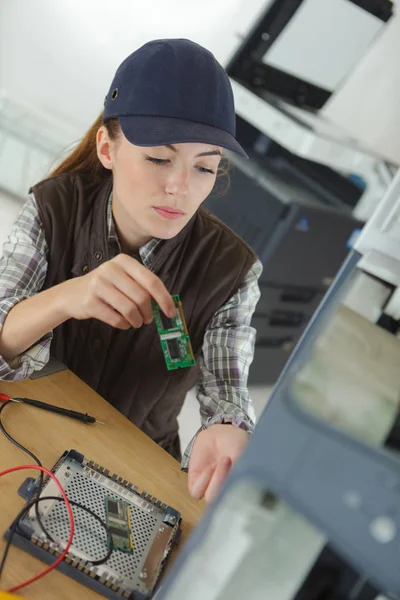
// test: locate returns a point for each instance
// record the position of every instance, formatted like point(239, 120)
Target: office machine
point(311, 510)
point(329, 38)
point(309, 186)
point(301, 240)
point(295, 57)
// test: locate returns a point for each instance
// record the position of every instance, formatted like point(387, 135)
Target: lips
point(167, 212)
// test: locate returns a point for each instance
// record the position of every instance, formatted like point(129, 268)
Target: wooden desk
point(119, 446)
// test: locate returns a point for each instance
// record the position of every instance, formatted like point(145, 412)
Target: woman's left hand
point(214, 452)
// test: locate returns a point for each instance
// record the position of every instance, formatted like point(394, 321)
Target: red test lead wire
point(71, 520)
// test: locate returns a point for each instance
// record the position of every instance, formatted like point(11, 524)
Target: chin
point(167, 231)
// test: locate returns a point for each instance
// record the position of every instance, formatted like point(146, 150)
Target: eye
point(157, 161)
point(204, 170)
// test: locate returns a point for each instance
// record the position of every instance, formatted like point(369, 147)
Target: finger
point(108, 315)
point(150, 282)
point(132, 290)
point(109, 294)
point(221, 471)
point(198, 484)
point(202, 457)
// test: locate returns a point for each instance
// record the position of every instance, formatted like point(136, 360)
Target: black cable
point(8, 436)
point(35, 502)
point(35, 458)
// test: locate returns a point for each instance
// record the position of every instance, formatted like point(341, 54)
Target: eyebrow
point(209, 153)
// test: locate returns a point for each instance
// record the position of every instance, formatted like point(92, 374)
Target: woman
point(120, 223)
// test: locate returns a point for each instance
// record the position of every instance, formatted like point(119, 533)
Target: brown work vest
point(205, 264)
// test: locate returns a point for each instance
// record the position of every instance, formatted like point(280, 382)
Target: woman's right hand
point(119, 293)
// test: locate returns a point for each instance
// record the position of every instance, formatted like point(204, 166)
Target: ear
point(104, 147)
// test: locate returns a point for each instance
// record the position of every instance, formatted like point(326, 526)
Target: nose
point(177, 183)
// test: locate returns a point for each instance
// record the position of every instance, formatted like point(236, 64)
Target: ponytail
point(83, 157)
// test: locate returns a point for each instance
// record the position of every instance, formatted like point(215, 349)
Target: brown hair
point(84, 159)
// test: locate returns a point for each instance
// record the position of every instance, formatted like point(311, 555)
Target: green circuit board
point(174, 337)
point(118, 519)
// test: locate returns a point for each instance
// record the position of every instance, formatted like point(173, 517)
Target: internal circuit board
point(174, 337)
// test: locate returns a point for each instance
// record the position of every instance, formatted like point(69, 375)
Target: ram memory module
point(118, 519)
point(174, 337)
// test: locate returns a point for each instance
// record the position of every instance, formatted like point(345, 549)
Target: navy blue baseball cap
point(170, 92)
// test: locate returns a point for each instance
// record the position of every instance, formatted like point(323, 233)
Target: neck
point(129, 239)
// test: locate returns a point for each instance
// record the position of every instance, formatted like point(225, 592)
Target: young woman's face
point(156, 190)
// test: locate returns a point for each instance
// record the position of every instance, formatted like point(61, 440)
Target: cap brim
point(159, 131)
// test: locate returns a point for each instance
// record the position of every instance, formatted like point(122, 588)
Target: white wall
point(57, 60)
point(60, 56)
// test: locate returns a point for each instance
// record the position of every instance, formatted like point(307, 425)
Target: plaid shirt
point(228, 341)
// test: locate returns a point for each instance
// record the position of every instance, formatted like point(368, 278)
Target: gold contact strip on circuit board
point(180, 308)
point(189, 343)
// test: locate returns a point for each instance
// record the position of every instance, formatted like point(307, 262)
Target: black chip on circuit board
point(174, 349)
point(167, 323)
